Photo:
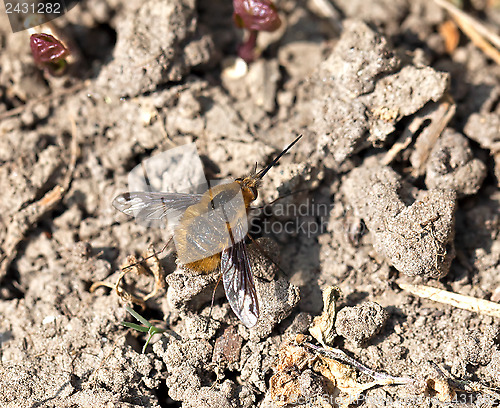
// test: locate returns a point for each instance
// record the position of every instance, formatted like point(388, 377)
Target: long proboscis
point(263, 172)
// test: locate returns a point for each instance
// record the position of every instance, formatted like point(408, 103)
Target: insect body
point(211, 232)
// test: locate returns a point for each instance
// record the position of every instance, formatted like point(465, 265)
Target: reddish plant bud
point(246, 51)
point(47, 49)
point(256, 15)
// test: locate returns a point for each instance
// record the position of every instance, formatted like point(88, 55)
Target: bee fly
point(211, 232)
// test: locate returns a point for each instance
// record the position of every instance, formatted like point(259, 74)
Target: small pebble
point(361, 323)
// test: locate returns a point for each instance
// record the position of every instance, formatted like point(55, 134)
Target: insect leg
point(148, 257)
point(212, 303)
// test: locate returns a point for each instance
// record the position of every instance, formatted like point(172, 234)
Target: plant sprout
point(147, 328)
point(49, 53)
point(255, 16)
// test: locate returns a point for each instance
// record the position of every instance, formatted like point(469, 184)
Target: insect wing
point(238, 283)
point(151, 206)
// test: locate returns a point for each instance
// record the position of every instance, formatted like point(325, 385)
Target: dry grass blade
point(74, 154)
point(25, 219)
point(403, 142)
point(337, 354)
point(438, 114)
point(325, 9)
point(470, 303)
point(445, 110)
point(483, 37)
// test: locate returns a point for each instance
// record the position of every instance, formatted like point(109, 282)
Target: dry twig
point(470, 303)
point(483, 37)
point(133, 265)
point(439, 113)
point(325, 9)
point(427, 139)
point(26, 218)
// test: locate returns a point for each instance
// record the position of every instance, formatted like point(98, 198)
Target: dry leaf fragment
point(451, 35)
point(441, 388)
point(296, 357)
point(465, 385)
point(323, 327)
point(292, 360)
point(283, 386)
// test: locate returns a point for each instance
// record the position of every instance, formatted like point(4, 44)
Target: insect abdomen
point(205, 265)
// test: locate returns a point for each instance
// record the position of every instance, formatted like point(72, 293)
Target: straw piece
point(470, 303)
point(483, 37)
